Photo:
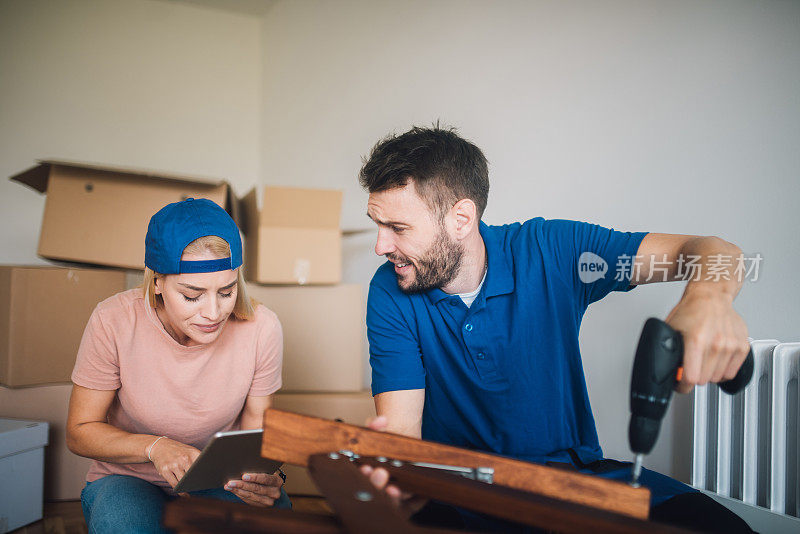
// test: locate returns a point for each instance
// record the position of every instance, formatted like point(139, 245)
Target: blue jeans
point(127, 505)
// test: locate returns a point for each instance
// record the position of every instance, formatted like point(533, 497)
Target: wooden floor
point(62, 517)
point(66, 517)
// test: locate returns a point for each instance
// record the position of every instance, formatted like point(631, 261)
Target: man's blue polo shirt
point(504, 375)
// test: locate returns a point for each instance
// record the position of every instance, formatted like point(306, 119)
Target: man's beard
point(437, 267)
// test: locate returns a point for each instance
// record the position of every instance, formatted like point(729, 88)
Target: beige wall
point(132, 82)
point(674, 116)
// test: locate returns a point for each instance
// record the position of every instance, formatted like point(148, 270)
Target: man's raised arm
point(715, 335)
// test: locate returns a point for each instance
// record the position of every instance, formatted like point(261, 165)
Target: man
point(473, 329)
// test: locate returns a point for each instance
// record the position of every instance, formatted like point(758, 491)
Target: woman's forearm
point(102, 441)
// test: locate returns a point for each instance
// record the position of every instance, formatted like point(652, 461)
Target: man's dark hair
point(445, 168)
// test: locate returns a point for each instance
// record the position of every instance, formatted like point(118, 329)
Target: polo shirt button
point(481, 356)
point(468, 327)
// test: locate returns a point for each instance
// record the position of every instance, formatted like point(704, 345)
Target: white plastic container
point(21, 472)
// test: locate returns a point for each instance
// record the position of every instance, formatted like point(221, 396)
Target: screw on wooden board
point(363, 496)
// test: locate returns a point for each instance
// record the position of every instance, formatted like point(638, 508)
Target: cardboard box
point(294, 238)
point(323, 335)
point(43, 312)
point(64, 472)
point(21, 472)
point(353, 408)
point(98, 214)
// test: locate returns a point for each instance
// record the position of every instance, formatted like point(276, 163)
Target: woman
point(163, 367)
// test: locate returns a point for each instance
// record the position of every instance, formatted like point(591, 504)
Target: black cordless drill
point(659, 360)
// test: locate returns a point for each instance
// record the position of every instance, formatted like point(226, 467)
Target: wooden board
point(292, 438)
point(361, 508)
point(516, 506)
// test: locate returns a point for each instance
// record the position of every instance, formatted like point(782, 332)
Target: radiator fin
point(747, 446)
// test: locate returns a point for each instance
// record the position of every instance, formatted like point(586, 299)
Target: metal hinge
point(481, 474)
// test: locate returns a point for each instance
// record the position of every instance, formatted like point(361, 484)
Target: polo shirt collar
point(499, 276)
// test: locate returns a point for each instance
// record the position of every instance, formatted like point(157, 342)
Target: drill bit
point(636, 470)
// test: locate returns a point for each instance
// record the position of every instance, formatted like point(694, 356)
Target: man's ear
point(466, 217)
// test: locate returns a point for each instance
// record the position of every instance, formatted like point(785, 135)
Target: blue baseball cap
point(176, 225)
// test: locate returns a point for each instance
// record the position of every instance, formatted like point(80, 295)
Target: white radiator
point(746, 445)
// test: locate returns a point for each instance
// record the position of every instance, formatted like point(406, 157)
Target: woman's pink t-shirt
point(167, 389)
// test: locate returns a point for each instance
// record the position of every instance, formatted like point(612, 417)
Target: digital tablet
point(227, 457)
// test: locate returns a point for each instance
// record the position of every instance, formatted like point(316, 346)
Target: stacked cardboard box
point(294, 243)
point(323, 336)
point(98, 214)
point(323, 358)
point(294, 237)
point(43, 311)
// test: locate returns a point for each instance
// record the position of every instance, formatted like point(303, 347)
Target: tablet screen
point(227, 457)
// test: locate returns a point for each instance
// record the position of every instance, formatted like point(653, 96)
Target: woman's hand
point(257, 489)
point(172, 459)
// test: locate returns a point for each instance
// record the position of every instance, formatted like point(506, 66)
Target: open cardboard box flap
point(38, 176)
point(98, 214)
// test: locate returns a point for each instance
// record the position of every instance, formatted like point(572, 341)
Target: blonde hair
point(245, 307)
